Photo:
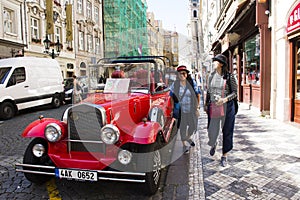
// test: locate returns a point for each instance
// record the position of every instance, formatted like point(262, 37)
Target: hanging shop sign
point(294, 20)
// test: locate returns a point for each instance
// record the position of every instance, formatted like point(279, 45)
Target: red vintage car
point(117, 133)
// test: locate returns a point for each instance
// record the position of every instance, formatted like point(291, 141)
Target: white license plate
point(76, 174)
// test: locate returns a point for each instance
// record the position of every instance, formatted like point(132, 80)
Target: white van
point(28, 82)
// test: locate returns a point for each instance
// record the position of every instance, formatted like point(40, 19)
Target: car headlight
point(38, 150)
point(53, 132)
point(110, 134)
point(124, 157)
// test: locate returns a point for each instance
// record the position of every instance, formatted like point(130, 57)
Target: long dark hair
point(190, 85)
point(225, 71)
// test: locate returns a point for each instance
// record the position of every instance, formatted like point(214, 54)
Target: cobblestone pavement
point(264, 163)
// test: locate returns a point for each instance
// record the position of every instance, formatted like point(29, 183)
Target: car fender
point(146, 132)
point(36, 128)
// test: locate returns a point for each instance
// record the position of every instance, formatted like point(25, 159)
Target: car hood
point(128, 109)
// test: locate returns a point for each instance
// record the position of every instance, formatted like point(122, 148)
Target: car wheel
point(56, 101)
point(7, 110)
point(151, 163)
point(30, 158)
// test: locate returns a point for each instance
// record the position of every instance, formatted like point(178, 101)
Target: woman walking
point(186, 101)
point(219, 105)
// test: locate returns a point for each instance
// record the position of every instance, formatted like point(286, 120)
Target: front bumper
point(110, 175)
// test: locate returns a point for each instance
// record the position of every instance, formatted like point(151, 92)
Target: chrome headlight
point(53, 132)
point(125, 157)
point(110, 134)
point(38, 150)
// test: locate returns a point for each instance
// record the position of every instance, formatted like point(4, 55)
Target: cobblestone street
point(264, 162)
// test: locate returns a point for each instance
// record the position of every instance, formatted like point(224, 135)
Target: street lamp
point(52, 53)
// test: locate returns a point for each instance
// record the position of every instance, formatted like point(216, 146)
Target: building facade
point(12, 37)
point(285, 87)
point(77, 27)
point(243, 35)
point(155, 35)
point(261, 41)
point(125, 28)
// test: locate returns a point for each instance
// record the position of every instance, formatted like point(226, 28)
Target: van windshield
point(4, 73)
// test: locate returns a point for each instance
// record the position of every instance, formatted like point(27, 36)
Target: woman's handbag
point(216, 111)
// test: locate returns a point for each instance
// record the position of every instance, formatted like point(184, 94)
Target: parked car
point(68, 86)
point(27, 82)
point(119, 134)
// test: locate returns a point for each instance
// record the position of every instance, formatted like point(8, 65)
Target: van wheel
point(56, 101)
point(7, 110)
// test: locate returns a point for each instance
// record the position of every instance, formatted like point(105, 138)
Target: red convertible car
point(117, 133)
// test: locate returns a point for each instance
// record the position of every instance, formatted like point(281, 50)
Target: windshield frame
point(4, 72)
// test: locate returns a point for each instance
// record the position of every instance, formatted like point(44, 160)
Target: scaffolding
point(125, 28)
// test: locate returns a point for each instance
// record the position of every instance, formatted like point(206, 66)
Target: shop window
point(252, 50)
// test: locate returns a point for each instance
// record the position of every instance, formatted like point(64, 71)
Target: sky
point(173, 13)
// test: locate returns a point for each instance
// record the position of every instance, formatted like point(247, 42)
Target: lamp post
point(52, 53)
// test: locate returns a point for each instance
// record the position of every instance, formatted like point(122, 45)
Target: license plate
point(76, 174)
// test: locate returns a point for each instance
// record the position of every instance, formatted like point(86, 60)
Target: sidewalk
point(264, 162)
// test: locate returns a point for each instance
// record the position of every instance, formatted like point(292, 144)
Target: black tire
point(30, 158)
point(56, 102)
point(150, 163)
point(7, 110)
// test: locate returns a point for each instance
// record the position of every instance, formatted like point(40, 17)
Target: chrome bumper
point(139, 176)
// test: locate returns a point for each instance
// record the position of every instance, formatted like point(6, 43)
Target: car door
point(17, 85)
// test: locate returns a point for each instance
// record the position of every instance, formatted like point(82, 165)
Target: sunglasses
point(183, 73)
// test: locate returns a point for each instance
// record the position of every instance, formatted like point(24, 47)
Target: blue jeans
point(227, 124)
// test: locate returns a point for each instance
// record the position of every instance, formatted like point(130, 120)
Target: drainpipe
point(25, 26)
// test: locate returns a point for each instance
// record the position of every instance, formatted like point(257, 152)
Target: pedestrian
point(222, 90)
point(76, 90)
point(118, 73)
point(186, 102)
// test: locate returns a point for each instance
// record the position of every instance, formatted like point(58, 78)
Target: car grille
point(84, 127)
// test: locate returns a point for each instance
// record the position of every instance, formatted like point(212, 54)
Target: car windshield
point(4, 71)
point(128, 77)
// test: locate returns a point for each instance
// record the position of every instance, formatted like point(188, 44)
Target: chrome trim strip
point(122, 173)
point(121, 179)
point(85, 141)
point(35, 172)
point(35, 166)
